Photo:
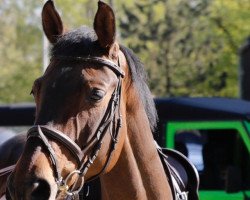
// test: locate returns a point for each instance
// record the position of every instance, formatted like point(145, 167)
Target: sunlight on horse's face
point(71, 97)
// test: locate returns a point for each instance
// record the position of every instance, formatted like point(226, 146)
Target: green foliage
point(189, 47)
point(78, 13)
point(21, 42)
point(20, 49)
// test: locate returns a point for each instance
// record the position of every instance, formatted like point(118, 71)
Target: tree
point(21, 42)
point(190, 47)
point(19, 49)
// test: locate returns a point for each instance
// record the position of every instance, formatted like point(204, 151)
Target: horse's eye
point(97, 94)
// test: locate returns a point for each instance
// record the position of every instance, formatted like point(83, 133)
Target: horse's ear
point(52, 23)
point(104, 25)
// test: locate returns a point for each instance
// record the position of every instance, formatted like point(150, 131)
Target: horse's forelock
point(79, 42)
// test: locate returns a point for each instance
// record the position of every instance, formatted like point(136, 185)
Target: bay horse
point(94, 118)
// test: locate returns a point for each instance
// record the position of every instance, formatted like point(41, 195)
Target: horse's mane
point(139, 77)
point(83, 42)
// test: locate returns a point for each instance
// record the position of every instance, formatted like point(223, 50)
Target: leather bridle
point(111, 119)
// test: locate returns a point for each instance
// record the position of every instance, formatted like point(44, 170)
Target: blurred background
point(189, 47)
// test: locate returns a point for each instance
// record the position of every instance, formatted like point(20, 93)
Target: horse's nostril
point(40, 190)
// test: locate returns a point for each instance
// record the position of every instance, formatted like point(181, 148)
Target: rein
point(111, 120)
point(7, 170)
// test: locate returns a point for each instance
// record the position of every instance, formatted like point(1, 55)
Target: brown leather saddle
point(182, 175)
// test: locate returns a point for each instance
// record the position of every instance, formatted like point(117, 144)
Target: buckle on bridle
point(63, 186)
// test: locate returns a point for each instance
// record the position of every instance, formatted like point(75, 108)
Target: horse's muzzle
point(37, 189)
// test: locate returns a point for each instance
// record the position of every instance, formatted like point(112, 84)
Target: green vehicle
point(214, 133)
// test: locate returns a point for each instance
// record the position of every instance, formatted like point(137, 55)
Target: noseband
point(111, 120)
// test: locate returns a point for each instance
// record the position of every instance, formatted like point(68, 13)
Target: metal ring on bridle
point(65, 186)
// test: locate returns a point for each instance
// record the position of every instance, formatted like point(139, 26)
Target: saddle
point(182, 176)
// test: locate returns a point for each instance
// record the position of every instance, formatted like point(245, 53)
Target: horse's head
point(80, 104)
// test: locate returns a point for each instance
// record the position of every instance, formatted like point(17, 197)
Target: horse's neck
point(138, 174)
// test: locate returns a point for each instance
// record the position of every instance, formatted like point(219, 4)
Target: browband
point(113, 66)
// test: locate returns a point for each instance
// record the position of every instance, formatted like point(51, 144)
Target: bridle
point(111, 120)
